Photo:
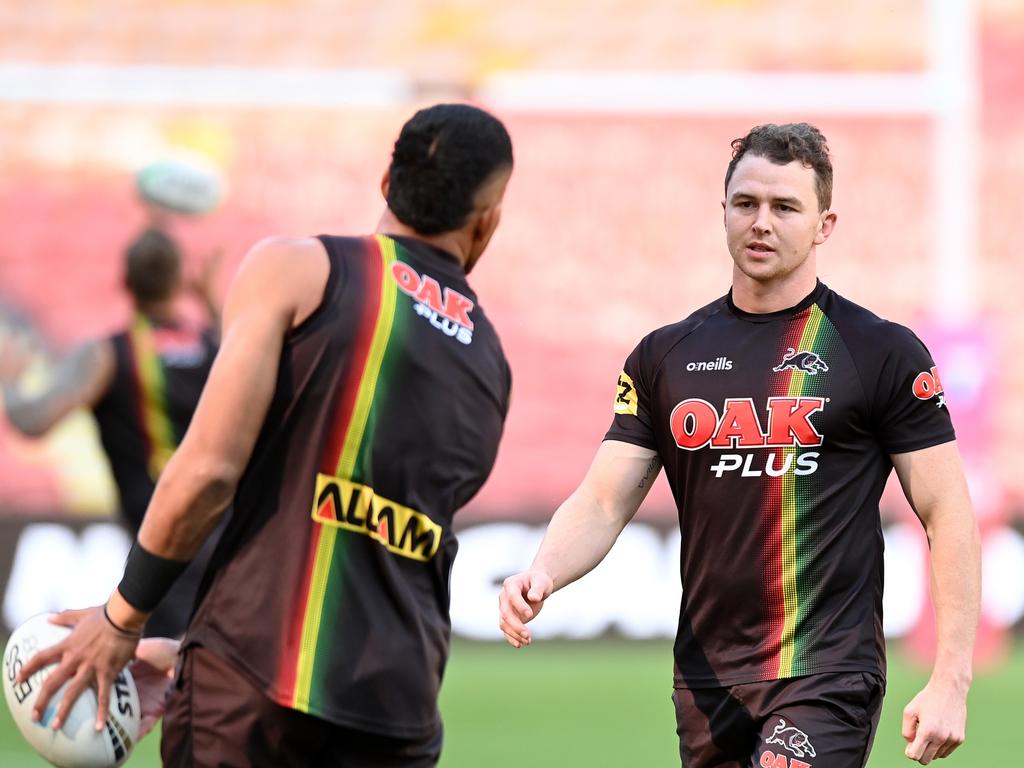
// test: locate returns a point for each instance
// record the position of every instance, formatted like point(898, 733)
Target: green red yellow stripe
point(343, 457)
point(151, 389)
point(791, 510)
point(368, 385)
point(791, 585)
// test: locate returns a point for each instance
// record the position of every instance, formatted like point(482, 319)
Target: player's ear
point(385, 183)
point(826, 223)
point(488, 212)
point(723, 211)
point(487, 222)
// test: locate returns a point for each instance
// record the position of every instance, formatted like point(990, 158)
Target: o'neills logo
point(357, 508)
point(447, 310)
point(718, 364)
point(696, 423)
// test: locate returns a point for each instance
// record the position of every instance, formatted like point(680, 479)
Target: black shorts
point(217, 717)
point(827, 720)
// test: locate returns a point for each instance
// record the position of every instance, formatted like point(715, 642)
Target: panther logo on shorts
point(791, 738)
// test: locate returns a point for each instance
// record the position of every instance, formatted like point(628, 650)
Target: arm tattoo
point(73, 382)
point(650, 474)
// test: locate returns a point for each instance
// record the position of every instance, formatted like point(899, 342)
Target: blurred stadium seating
point(460, 38)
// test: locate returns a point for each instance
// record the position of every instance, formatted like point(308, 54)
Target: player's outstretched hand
point(203, 282)
point(153, 670)
point(934, 722)
point(522, 596)
point(92, 655)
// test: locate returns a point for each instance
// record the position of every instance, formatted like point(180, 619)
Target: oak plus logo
point(445, 309)
point(928, 385)
point(179, 347)
point(697, 424)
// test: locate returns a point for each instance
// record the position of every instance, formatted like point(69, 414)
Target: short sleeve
point(909, 410)
point(631, 406)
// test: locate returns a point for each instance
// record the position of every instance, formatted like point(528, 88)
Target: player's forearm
point(956, 592)
point(580, 535)
point(31, 416)
point(79, 380)
point(192, 495)
point(189, 500)
point(199, 481)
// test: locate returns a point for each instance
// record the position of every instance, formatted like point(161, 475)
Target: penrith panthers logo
point(792, 739)
point(808, 362)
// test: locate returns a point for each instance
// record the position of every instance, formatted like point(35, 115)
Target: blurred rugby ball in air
point(76, 744)
point(180, 185)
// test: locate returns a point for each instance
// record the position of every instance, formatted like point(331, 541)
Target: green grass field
point(607, 704)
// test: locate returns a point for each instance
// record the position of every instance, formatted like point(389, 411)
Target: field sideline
point(607, 703)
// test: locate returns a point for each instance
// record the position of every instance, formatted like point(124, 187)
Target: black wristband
point(148, 577)
point(125, 633)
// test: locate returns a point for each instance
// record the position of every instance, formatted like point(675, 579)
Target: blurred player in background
point(356, 403)
point(142, 384)
point(778, 412)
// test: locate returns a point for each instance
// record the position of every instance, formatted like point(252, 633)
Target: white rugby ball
point(76, 744)
point(180, 185)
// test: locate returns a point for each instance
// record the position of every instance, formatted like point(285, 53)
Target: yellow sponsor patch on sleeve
point(625, 400)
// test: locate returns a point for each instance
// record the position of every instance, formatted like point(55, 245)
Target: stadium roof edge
point(894, 93)
point(214, 86)
point(716, 92)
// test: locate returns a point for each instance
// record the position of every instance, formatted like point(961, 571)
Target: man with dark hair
point(142, 384)
point(777, 456)
point(782, 144)
point(152, 267)
point(436, 168)
point(356, 403)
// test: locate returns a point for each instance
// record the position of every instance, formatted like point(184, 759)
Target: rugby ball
point(76, 744)
point(180, 185)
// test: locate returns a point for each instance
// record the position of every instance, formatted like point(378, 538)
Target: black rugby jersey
point(160, 369)
point(775, 432)
point(329, 587)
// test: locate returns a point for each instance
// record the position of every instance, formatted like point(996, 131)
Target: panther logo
point(808, 362)
point(791, 738)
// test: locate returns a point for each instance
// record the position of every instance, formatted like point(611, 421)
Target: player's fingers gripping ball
point(76, 744)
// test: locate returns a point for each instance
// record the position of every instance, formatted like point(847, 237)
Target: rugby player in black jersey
point(356, 403)
point(142, 384)
point(778, 411)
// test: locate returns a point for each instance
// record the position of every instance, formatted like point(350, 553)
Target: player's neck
point(158, 310)
point(450, 242)
point(761, 297)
